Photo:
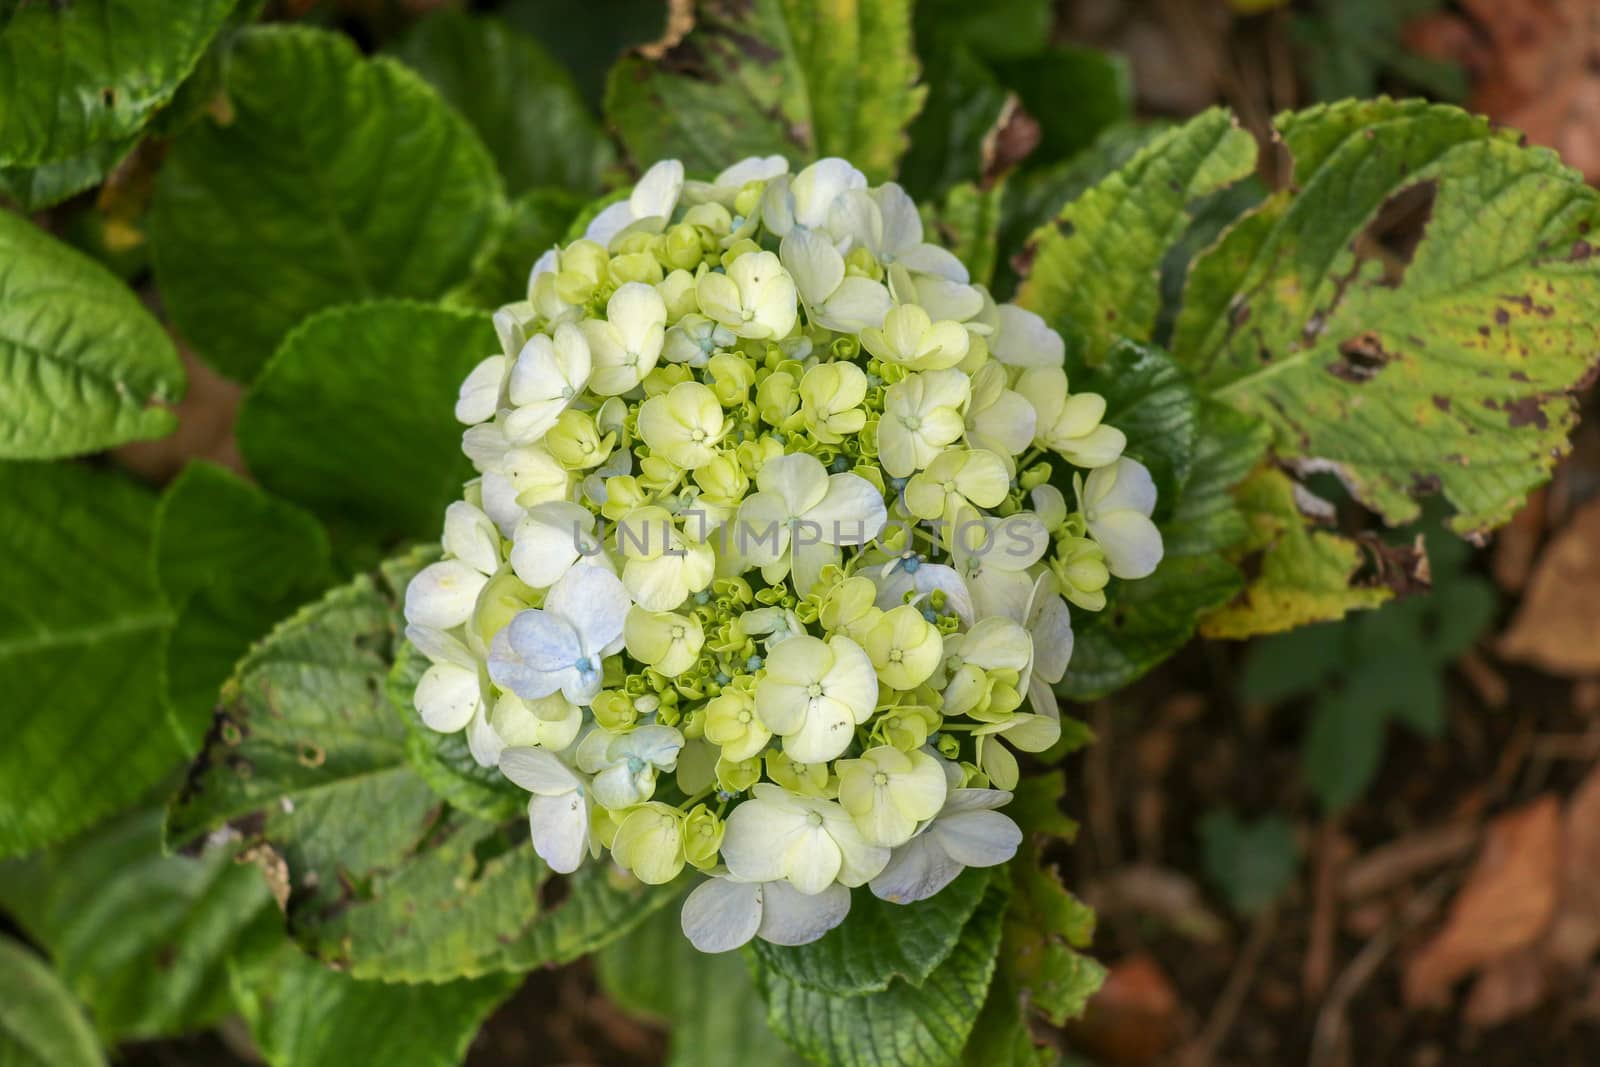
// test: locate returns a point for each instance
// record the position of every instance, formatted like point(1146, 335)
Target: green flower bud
point(681, 247)
point(1080, 566)
point(1034, 476)
point(576, 443)
point(614, 710)
point(735, 776)
point(862, 264)
point(503, 596)
point(731, 378)
point(712, 218)
point(702, 837)
point(636, 267)
point(584, 269)
point(777, 398)
point(623, 494)
point(677, 292)
point(748, 202)
point(650, 843)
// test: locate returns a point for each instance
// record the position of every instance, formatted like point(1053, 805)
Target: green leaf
point(879, 943)
point(308, 763)
point(1252, 863)
point(1304, 574)
point(1096, 269)
point(1099, 85)
point(80, 74)
point(1046, 926)
point(1343, 748)
point(354, 417)
point(142, 938)
point(1000, 1037)
point(1001, 29)
point(709, 1002)
point(1291, 663)
point(81, 628)
point(585, 45)
point(968, 223)
point(523, 103)
point(965, 103)
point(85, 366)
point(231, 560)
point(537, 221)
point(1444, 366)
point(774, 76)
point(1152, 618)
point(1348, 45)
point(338, 179)
point(40, 1024)
point(905, 1025)
point(303, 1014)
point(48, 184)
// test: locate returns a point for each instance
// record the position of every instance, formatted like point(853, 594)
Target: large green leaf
point(1413, 314)
point(789, 77)
point(521, 101)
point(879, 942)
point(304, 1014)
point(337, 179)
point(308, 762)
point(905, 1025)
point(143, 939)
point(76, 75)
point(715, 1016)
point(1099, 85)
point(81, 629)
point(1096, 269)
point(83, 365)
point(40, 1024)
point(42, 186)
point(965, 103)
point(231, 560)
point(354, 417)
point(1150, 400)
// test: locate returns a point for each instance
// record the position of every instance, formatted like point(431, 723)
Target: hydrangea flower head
point(762, 579)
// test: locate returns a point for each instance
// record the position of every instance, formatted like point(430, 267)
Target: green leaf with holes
point(354, 417)
point(308, 762)
point(523, 103)
point(1412, 314)
point(84, 366)
point(774, 77)
point(1305, 574)
point(143, 939)
point(1096, 267)
point(75, 76)
point(334, 179)
point(81, 630)
point(40, 1023)
point(905, 1025)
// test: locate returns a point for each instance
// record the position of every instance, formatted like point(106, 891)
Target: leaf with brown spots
point(763, 77)
point(1420, 307)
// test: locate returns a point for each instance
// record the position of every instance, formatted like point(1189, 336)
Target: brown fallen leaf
point(1555, 627)
point(1506, 903)
point(1574, 933)
point(1506, 989)
point(1135, 1016)
point(1517, 543)
point(1530, 68)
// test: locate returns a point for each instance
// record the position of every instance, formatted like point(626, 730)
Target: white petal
point(1131, 542)
point(1050, 623)
point(480, 393)
point(790, 917)
point(1025, 340)
point(757, 838)
point(977, 838)
point(958, 800)
point(594, 602)
point(657, 192)
point(443, 594)
point(606, 225)
point(549, 540)
point(819, 185)
point(916, 871)
point(721, 914)
point(828, 729)
point(483, 740)
point(812, 860)
point(857, 304)
point(851, 512)
point(538, 771)
point(447, 696)
point(799, 479)
point(815, 265)
point(439, 646)
point(931, 259)
point(500, 503)
point(534, 655)
point(560, 830)
point(470, 536)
